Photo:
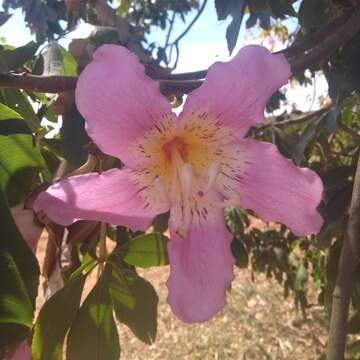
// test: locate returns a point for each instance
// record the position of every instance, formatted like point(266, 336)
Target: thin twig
point(294, 121)
point(170, 30)
point(193, 21)
point(175, 43)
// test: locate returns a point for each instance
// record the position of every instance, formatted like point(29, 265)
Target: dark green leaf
point(312, 14)
point(11, 122)
point(232, 32)
point(160, 223)
point(135, 304)
point(17, 152)
point(94, 326)
point(104, 35)
point(14, 58)
point(17, 99)
point(147, 250)
point(329, 121)
point(4, 17)
point(307, 135)
point(15, 304)
point(69, 64)
point(55, 318)
point(280, 8)
point(240, 254)
point(74, 137)
point(19, 276)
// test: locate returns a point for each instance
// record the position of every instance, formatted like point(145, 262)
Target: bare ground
point(257, 323)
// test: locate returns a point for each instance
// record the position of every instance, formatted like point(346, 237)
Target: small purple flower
point(193, 165)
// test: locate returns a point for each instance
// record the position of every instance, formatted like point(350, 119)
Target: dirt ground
point(257, 323)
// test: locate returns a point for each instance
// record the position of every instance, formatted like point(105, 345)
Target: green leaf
point(69, 64)
point(8, 113)
point(135, 303)
point(11, 122)
point(301, 278)
point(240, 254)
point(19, 279)
point(95, 326)
point(147, 250)
point(17, 153)
point(235, 8)
point(17, 99)
point(4, 17)
point(313, 14)
point(14, 58)
point(232, 32)
point(55, 318)
point(74, 137)
point(15, 304)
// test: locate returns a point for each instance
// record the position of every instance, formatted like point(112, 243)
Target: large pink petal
point(118, 101)
point(201, 269)
point(237, 91)
point(111, 197)
point(29, 229)
point(276, 189)
point(22, 352)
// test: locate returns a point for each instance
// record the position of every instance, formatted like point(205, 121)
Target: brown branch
point(348, 265)
point(46, 84)
point(294, 121)
point(184, 83)
point(329, 45)
point(56, 84)
point(312, 40)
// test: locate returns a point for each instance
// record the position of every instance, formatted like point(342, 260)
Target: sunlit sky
point(202, 46)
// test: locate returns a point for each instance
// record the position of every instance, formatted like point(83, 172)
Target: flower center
point(184, 162)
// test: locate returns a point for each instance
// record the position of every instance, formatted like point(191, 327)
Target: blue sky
point(205, 43)
point(201, 47)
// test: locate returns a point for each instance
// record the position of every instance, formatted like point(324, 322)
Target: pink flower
point(194, 165)
point(26, 224)
point(22, 352)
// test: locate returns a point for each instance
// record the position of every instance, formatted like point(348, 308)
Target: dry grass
point(256, 324)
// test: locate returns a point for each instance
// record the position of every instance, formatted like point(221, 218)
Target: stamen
point(213, 172)
point(186, 185)
point(159, 183)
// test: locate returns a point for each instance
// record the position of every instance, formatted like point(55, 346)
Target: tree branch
point(329, 45)
point(184, 83)
point(56, 84)
point(294, 121)
point(348, 265)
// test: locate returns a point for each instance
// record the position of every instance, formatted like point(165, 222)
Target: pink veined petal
point(22, 352)
point(111, 197)
point(237, 91)
point(278, 190)
point(118, 101)
point(25, 221)
point(201, 269)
